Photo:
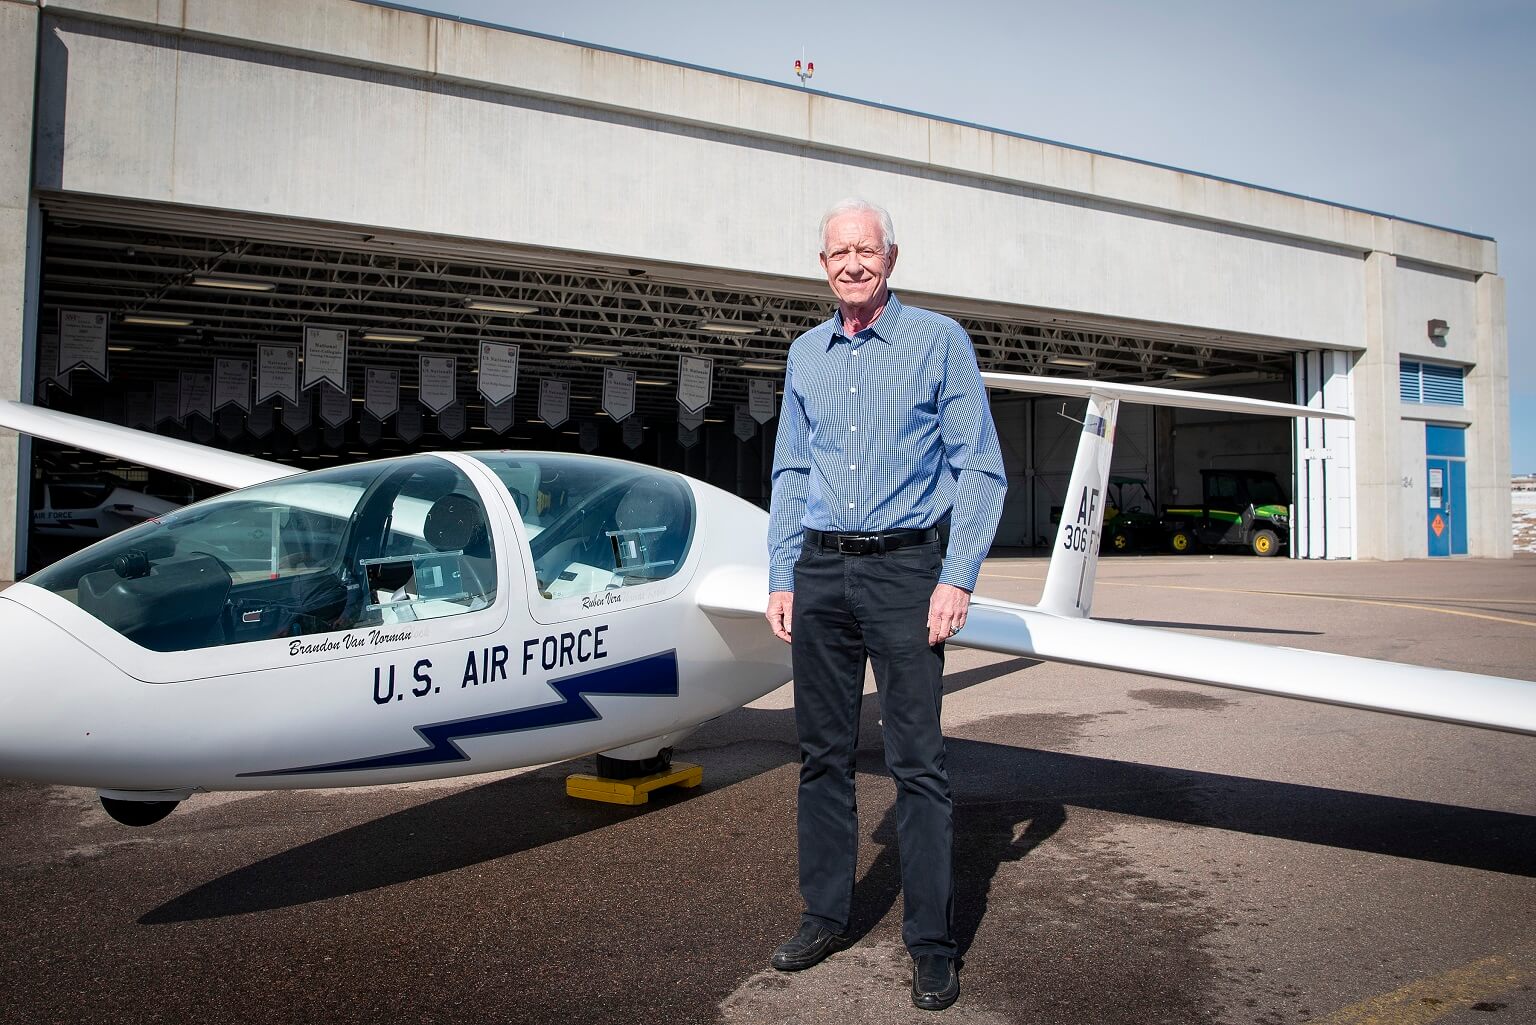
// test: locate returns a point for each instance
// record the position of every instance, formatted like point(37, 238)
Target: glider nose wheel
point(137, 813)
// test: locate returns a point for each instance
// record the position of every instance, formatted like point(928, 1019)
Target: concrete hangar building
point(211, 176)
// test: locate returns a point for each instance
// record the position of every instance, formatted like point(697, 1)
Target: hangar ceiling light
point(497, 306)
point(586, 350)
point(146, 321)
point(760, 364)
point(728, 327)
point(1069, 361)
point(235, 284)
point(1240, 379)
point(389, 336)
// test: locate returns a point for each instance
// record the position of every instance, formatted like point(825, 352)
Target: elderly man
point(885, 447)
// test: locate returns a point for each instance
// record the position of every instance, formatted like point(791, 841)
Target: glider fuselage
point(528, 677)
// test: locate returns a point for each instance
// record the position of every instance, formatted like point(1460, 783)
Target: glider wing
point(186, 458)
point(1470, 699)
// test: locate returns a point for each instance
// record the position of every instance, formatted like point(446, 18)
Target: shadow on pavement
point(1008, 800)
point(472, 826)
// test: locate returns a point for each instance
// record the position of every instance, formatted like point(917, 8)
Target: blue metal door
point(1446, 476)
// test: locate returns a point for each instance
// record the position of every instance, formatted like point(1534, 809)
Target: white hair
point(855, 205)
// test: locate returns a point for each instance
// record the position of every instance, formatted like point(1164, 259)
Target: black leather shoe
point(935, 982)
point(807, 947)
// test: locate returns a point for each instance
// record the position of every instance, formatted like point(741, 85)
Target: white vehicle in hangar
point(446, 614)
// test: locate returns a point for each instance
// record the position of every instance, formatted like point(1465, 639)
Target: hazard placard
point(1437, 525)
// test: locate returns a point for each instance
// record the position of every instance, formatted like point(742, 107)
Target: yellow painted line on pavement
point(1411, 597)
point(1428, 1000)
point(1390, 603)
point(1404, 605)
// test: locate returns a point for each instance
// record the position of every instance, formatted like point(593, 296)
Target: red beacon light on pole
point(804, 73)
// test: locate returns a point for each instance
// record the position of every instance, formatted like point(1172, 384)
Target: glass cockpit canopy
point(374, 544)
point(371, 544)
point(596, 524)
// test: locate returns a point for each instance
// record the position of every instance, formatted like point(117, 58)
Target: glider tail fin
point(1075, 552)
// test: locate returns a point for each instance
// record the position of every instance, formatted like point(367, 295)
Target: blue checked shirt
point(887, 430)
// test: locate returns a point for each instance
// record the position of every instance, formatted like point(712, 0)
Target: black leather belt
point(870, 544)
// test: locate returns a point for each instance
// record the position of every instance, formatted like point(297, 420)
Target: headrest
point(454, 523)
point(648, 503)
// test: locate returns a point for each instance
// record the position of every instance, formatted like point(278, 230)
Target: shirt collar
point(882, 328)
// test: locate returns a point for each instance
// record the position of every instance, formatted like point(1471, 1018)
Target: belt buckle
point(859, 545)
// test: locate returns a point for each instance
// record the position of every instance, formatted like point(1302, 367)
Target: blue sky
point(1418, 108)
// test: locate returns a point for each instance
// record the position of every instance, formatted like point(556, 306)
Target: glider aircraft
point(450, 613)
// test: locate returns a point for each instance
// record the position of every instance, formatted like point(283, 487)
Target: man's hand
point(780, 606)
point(946, 612)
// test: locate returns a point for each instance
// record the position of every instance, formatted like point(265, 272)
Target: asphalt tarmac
point(1128, 851)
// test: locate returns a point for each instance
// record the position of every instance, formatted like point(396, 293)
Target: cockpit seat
point(456, 523)
point(652, 530)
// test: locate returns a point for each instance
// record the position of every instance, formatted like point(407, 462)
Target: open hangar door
point(184, 288)
point(1158, 458)
point(1159, 452)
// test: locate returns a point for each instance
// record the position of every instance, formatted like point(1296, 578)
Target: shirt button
point(853, 466)
point(855, 352)
point(850, 505)
point(854, 388)
point(853, 427)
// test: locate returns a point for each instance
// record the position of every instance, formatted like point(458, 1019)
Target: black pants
point(849, 608)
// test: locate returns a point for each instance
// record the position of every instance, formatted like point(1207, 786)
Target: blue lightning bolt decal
point(651, 676)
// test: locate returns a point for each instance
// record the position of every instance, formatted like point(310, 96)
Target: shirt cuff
point(960, 572)
point(781, 577)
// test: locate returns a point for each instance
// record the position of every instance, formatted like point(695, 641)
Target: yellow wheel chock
point(637, 789)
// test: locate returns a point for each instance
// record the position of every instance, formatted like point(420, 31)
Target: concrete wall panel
point(1425, 294)
point(532, 65)
point(18, 53)
point(1488, 459)
point(1409, 519)
point(285, 135)
point(353, 32)
point(1444, 248)
point(18, 63)
point(108, 103)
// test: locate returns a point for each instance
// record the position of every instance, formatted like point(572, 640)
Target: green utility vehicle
point(1130, 516)
point(1241, 507)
